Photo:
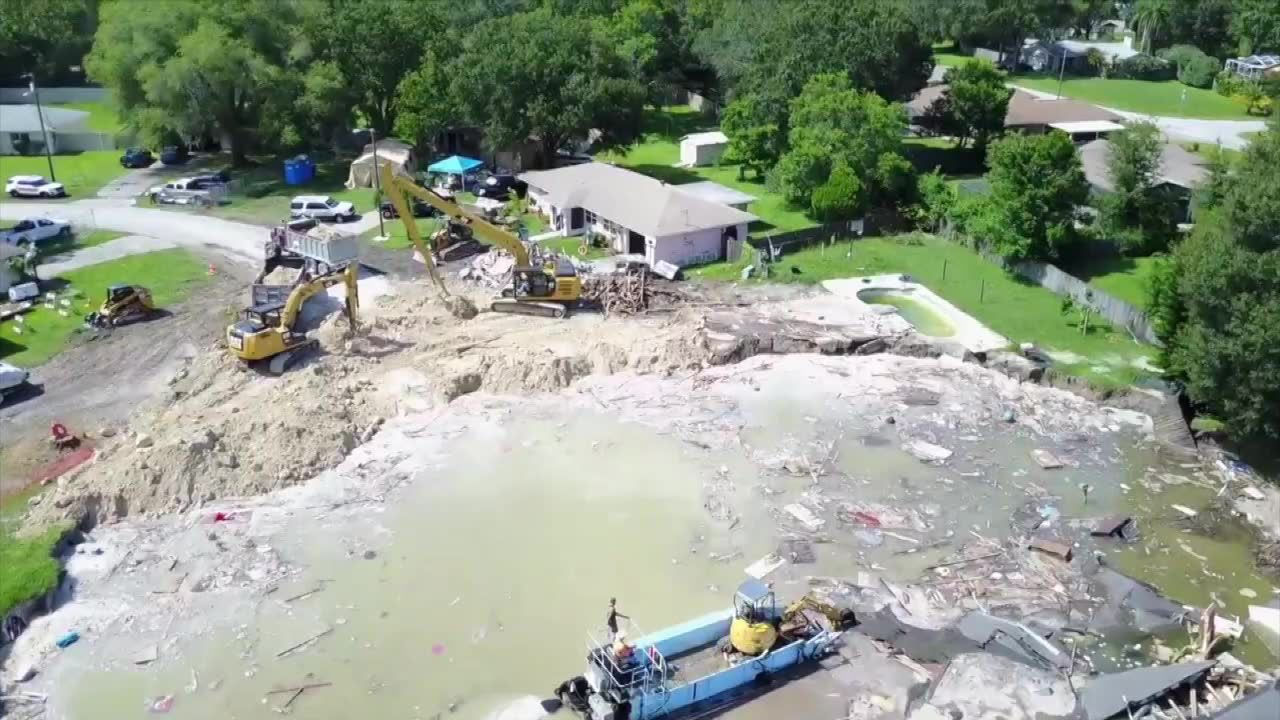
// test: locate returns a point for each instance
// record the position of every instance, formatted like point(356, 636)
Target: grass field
point(83, 174)
point(659, 150)
point(1121, 277)
point(570, 245)
point(59, 246)
point(398, 238)
point(30, 570)
point(263, 197)
point(102, 115)
point(169, 274)
point(1152, 98)
point(1020, 311)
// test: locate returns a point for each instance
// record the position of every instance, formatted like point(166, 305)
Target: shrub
point(1142, 67)
point(1194, 68)
point(1228, 84)
point(1096, 62)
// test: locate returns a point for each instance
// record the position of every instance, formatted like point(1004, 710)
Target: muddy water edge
point(479, 580)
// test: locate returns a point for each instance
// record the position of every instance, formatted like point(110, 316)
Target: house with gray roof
point(639, 215)
point(1181, 173)
point(20, 128)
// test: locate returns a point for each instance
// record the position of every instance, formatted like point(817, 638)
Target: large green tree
point(1037, 184)
point(373, 44)
point(545, 76)
point(1255, 26)
point(197, 69)
point(1139, 213)
point(46, 37)
point(834, 125)
point(978, 101)
point(754, 131)
point(1217, 304)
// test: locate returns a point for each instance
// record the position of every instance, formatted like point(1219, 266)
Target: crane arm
point(396, 186)
point(305, 291)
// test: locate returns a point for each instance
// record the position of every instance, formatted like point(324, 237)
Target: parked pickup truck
point(35, 230)
point(199, 190)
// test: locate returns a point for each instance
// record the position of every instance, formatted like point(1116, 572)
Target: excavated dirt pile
point(223, 429)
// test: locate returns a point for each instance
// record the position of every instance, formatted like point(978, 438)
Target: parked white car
point(321, 207)
point(33, 186)
point(12, 379)
point(35, 230)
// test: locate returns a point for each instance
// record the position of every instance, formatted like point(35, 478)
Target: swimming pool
point(920, 315)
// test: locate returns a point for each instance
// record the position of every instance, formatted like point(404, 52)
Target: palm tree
point(1150, 16)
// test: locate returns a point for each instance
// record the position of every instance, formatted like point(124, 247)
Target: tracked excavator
point(547, 289)
point(267, 329)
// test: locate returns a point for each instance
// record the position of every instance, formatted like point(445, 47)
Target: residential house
point(1181, 173)
point(638, 214)
point(1049, 56)
point(66, 129)
point(1033, 113)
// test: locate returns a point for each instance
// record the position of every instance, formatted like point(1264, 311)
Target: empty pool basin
point(919, 314)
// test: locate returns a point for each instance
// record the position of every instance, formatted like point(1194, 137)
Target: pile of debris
point(632, 289)
point(492, 269)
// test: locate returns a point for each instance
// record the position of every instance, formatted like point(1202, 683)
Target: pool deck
point(970, 333)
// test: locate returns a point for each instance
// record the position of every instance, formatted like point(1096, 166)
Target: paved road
point(1229, 133)
point(241, 241)
point(111, 250)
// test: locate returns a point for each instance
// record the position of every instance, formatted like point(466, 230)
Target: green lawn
point(570, 245)
point(659, 150)
point(30, 570)
point(83, 174)
point(726, 271)
point(263, 197)
point(1021, 311)
point(102, 115)
point(59, 246)
point(1124, 278)
point(398, 238)
point(169, 274)
point(1153, 98)
point(950, 59)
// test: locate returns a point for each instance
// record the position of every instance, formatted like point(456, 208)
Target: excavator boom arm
point(396, 186)
point(307, 290)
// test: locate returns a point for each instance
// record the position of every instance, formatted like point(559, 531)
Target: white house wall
point(693, 248)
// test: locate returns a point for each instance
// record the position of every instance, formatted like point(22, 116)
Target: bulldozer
point(267, 329)
point(123, 304)
point(546, 289)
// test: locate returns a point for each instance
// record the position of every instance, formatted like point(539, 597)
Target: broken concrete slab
point(981, 685)
point(1014, 638)
point(1185, 510)
point(797, 551)
point(1060, 550)
point(1253, 493)
point(146, 655)
point(761, 568)
point(1047, 459)
point(1115, 526)
point(927, 451)
point(1117, 694)
point(1132, 603)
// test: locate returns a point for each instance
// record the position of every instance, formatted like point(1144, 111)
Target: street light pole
point(377, 183)
point(44, 134)
point(1062, 70)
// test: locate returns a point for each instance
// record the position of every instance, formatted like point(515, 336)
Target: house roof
point(714, 137)
point(1177, 166)
point(1112, 50)
point(1087, 126)
point(1025, 108)
point(715, 192)
point(1260, 61)
point(23, 119)
point(638, 202)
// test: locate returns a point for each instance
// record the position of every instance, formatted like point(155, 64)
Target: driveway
point(241, 241)
point(135, 182)
point(1229, 133)
point(110, 250)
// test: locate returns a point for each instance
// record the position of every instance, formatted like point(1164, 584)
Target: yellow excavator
point(266, 329)
point(757, 626)
point(547, 289)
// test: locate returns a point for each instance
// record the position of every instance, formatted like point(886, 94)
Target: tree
point(1217, 304)
point(755, 139)
point(1205, 24)
point(1037, 182)
point(1138, 212)
point(978, 101)
point(373, 44)
point(202, 70)
point(545, 76)
point(839, 199)
point(44, 37)
point(937, 198)
point(835, 125)
point(1151, 17)
point(1255, 25)
point(424, 102)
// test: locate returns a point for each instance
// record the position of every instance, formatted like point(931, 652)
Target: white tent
point(391, 152)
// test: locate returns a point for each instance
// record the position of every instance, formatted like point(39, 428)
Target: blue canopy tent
point(455, 165)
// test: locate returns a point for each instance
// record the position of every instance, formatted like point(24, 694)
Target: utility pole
point(44, 134)
point(1062, 70)
point(377, 185)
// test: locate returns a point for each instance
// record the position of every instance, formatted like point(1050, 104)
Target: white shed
point(703, 148)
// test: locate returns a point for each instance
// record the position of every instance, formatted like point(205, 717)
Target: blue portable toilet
point(292, 173)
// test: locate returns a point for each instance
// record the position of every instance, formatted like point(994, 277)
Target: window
point(591, 218)
point(315, 206)
point(295, 205)
point(331, 202)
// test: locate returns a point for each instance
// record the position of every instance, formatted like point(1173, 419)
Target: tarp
point(362, 169)
point(454, 165)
